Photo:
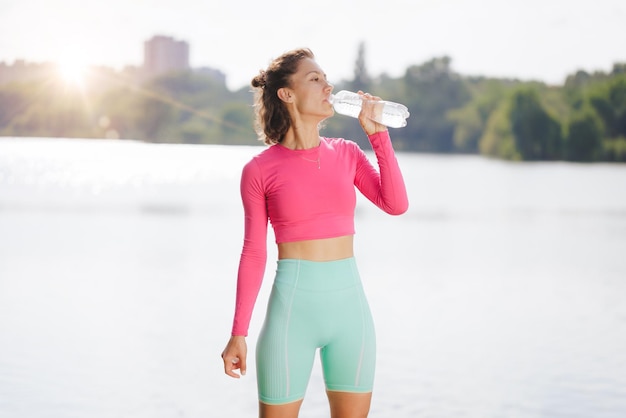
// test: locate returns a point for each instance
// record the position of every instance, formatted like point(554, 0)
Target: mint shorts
point(315, 305)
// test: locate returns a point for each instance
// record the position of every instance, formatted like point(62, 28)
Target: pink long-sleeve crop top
point(308, 194)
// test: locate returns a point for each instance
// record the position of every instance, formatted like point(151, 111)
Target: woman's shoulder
point(264, 158)
point(266, 154)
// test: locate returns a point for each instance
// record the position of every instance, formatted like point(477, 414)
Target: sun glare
point(72, 71)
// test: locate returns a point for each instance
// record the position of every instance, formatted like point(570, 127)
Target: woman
point(305, 185)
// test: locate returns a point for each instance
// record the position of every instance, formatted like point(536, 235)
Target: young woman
point(304, 184)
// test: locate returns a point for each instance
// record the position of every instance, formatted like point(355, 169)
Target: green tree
point(47, 108)
point(361, 79)
point(237, 124)
point(155, 120)
point(614, 149)
point(497, 139)
point(470, 120)
point(584, 139)
point(432, 90)
point(537, 134)
point(619, 68)
point(608, 98)
point(120, 110)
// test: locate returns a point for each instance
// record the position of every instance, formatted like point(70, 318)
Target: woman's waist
point(310, 275)
point(325, 249)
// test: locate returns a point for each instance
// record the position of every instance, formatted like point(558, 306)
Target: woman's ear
point(284, 94)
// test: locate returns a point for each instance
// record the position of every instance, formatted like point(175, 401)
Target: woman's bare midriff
point(327, 249)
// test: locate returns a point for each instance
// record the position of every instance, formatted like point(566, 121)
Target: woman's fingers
point(231, 364)
point(370, 112)
point(234, 357)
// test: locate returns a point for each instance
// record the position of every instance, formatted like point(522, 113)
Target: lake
point(500, 293)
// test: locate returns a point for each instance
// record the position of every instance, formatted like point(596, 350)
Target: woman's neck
point(301, 138)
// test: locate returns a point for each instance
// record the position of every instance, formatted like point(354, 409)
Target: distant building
point(164, 54)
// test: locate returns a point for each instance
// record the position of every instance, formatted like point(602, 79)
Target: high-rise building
point(164, 54)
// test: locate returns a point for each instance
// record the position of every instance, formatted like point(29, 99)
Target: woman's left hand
point(369, 109)
point(234, 356)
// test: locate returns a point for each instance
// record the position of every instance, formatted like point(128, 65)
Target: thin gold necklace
point(313, 161)
point(317, 160)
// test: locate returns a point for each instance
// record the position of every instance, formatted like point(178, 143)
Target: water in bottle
point(348, 103)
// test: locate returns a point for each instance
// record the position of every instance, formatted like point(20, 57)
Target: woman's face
point(311, 90)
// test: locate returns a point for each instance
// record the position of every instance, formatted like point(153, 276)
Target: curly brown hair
point(272, 118)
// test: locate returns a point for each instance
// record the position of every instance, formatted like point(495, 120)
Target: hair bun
point(260, 80)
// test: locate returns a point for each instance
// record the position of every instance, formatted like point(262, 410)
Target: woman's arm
point(251, 268)
point(254, 254)
point(385, 188)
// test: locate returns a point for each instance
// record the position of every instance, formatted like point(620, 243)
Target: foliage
point(584, 140)
point(470, 120)
point(615, 149)
point(361, 79)
point(582, 120)
point(536, 133)
point(186, 107)
point(431, 91)
point(497, 139)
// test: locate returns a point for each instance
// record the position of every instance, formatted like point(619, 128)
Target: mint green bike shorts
point(315, 305)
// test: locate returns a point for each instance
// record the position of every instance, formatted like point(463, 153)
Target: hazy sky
point(531, 39)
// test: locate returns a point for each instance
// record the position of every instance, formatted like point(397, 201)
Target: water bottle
point(348, 103)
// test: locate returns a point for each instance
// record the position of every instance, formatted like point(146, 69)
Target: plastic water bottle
point(348, 103)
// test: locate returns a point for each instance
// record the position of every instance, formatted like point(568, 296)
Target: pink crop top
point(308, 194)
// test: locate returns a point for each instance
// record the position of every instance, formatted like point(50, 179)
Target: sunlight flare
point(72, 71)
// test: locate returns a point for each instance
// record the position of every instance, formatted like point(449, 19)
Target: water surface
point(499, 294)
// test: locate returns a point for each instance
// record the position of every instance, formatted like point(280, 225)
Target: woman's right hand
point(370, 108)
point(234, 356)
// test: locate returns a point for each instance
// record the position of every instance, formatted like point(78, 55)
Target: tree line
point(582, 120)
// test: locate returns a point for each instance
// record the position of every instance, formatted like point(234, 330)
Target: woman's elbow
point(399, 208)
